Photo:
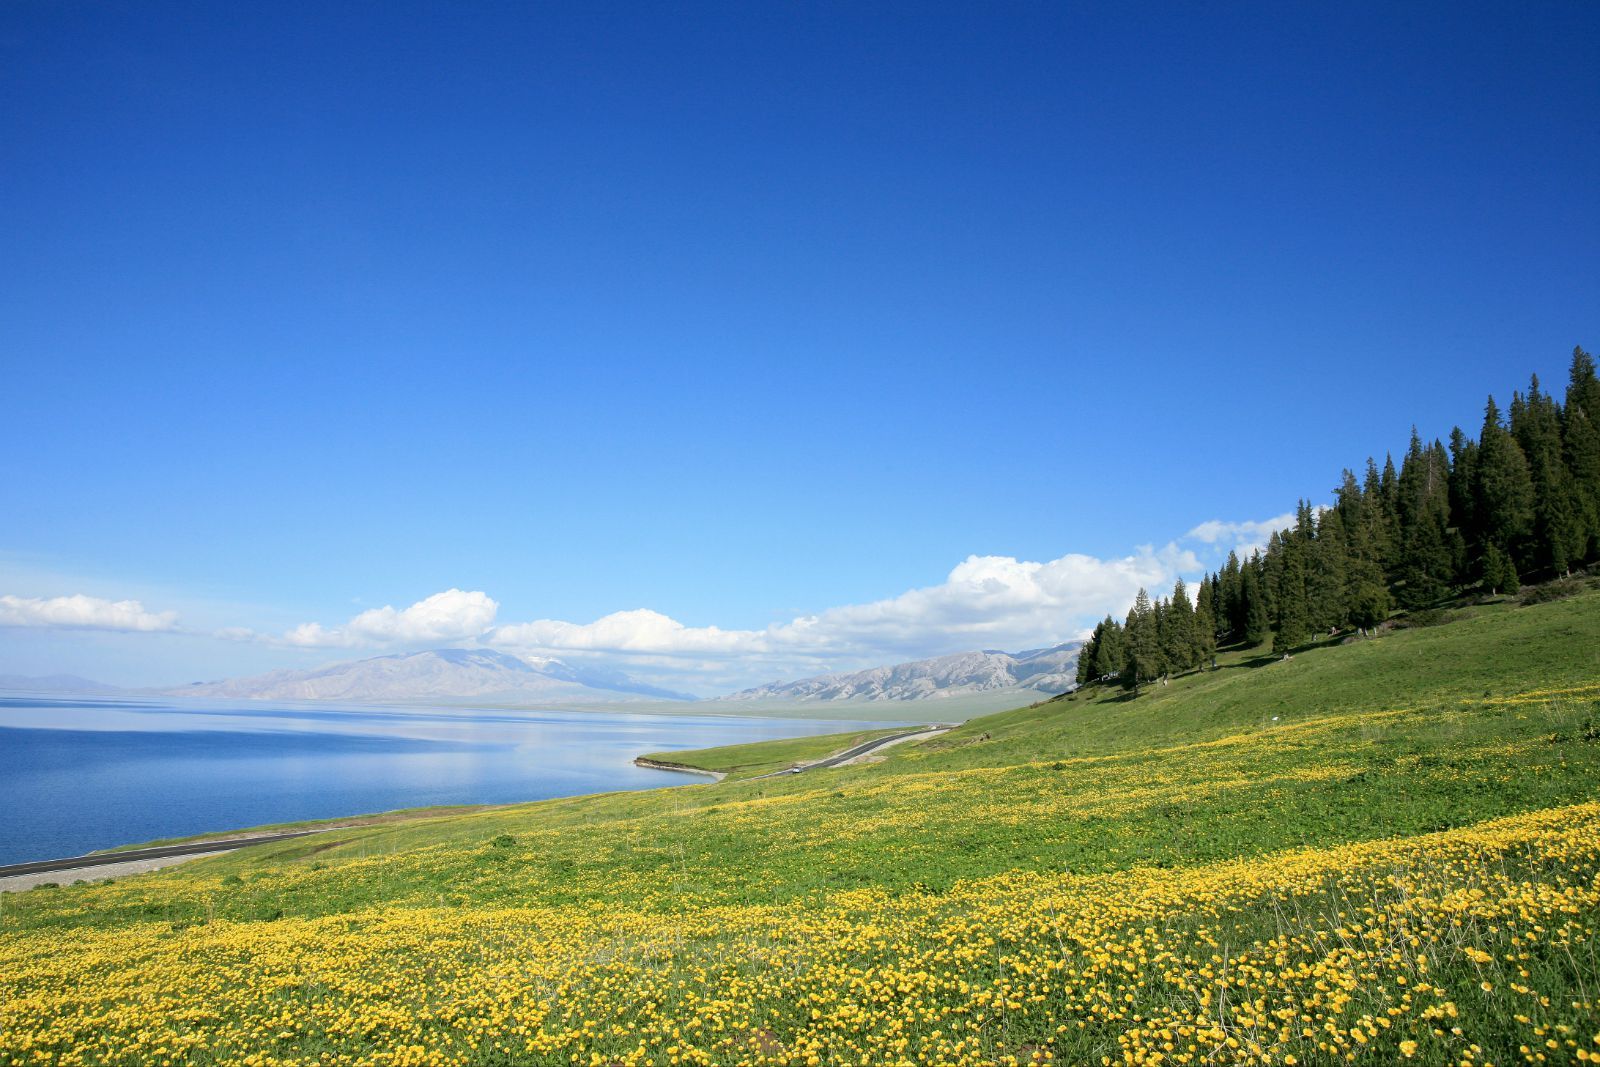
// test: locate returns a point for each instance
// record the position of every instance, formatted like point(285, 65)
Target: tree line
point(1520, 499)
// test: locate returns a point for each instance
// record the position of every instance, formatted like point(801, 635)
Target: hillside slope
point(1377, 851)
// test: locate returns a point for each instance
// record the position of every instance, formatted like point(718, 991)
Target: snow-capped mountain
point(440, 674)
point(1045, 670)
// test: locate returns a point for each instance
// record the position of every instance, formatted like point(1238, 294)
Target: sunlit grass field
point(768, 757)
point(1380, 850)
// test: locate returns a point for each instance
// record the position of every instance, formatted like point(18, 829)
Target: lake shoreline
point(684, 768)
point(225, 840)
point(83, 776)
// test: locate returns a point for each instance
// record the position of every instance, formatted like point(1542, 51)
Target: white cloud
point(1241, 537)
point(84, 613)
point(988, 601)
point(452, 615)
point(640, 630)
point(983, 602)
point(1001, 601)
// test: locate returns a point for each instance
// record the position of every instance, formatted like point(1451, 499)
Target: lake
point(81, 774)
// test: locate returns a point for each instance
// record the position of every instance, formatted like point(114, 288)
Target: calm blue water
point(81, 774)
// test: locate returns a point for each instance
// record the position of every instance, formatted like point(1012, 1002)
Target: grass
point(766, 757)
point(1375, 850)
point(377, 819)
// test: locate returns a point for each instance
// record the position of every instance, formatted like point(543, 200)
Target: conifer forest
point(1521, 500)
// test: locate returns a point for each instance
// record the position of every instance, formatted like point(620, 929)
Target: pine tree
point(1257, 624)
point(1305, 520)
point(1163, 615)
point(1271, 568)
point(1583, 386)
point(1292, 624)
point(1461, 561)
point(1086, 659)
point(1425, 562)
point(1327, 598)
point(1347, 499)
point(1213, 600)
point(1369, 599)
point(1366, 591)
point(1559, 530)
point(1389, 516)
point(1179, 641)
point(1581, 445)
point(1499, 573)
point(1581, 450)
point(1497, 569)
point(1503, 492)
point(1231, 606)
point(1362, 519)
point(1205, 621)
point(1112, 649)
point(1143, 659)
point(1463, 473)
point(1101, 655)
point(1374, 530)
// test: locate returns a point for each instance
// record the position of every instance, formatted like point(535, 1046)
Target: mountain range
point(1044, 670)
point(487, 676)
point(446, 673)
point(55, 683)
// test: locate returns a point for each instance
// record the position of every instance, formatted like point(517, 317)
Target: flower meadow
point(1098, 882)
point(1470, 946)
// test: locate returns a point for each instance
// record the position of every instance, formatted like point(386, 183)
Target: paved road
point(101, 859)
point(859, 750)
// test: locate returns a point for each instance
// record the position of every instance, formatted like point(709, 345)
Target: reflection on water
point(77, 775)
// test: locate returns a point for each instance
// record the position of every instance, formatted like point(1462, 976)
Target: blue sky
point(738, 315)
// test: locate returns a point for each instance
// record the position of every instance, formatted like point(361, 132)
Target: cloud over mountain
point(984, 600)
point(639, 630)
point(448, 616)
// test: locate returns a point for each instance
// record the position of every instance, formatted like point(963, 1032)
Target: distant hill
point(54, 683)
point(1042, 670)
point(440, 674)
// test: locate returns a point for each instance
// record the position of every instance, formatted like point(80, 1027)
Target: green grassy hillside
point(1374, 850)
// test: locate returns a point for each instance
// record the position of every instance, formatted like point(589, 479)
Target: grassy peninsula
point(1375, 850)
point(769, 757)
